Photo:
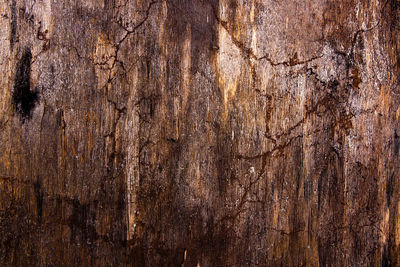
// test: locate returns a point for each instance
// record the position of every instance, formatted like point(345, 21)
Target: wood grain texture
point(199, 133)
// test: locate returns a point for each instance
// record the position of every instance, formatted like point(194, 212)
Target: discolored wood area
point(199, 133)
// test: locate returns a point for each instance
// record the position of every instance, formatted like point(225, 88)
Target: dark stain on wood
point(24, 99)
point(81, 223)
point(39, 199)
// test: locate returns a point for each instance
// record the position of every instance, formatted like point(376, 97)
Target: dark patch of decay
point(23, 99)
point(39, 199)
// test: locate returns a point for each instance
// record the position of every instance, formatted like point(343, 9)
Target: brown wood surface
point(199, 133)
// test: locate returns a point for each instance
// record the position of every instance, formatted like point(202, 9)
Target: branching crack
point(137, 26)
point(249, 53)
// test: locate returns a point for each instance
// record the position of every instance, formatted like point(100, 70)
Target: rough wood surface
point(199, 133)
